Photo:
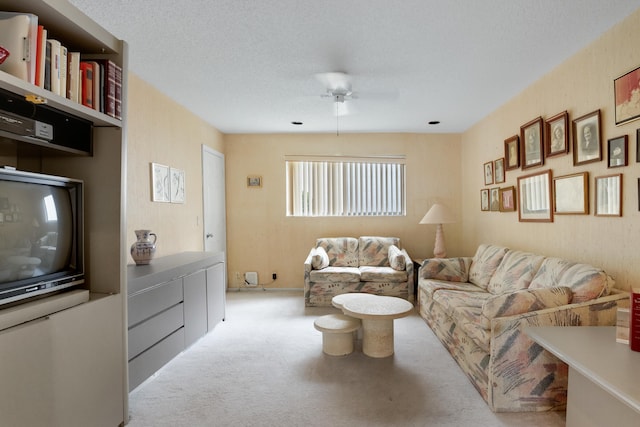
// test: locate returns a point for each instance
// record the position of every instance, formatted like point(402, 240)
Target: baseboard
point(263, 289)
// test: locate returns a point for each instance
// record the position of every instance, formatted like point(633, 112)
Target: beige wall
point(580, 85)
point(260, 237)
point(162, 131)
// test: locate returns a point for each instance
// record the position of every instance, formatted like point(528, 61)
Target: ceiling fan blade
point(335, 80)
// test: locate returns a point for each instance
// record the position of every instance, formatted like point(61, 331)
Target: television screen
point(40, 234)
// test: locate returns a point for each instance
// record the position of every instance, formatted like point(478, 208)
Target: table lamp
point(438, 214)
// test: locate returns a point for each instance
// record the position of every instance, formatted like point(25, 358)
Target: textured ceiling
point(248, 66)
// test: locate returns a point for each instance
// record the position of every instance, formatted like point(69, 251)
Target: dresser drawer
point(151, 302)
point(146, 334)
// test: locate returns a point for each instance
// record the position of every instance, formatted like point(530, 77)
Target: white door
point(215, 222)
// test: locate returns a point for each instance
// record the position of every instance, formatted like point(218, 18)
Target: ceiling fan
point(338, 88)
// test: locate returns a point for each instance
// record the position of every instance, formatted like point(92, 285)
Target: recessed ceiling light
point(434, 122)
point(296, 123)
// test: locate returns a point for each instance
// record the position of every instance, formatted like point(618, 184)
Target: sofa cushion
point(396, 258)
point(468, 319)
point(382, 274)
point(450, 300)
point(430, 286)
point(335, 274)
point(484, 264)
point(374, 250)
point(449, 269)
point(319, 258)
point(523, 301)
point(515, 272)
point(342, 251)
point(586, 282)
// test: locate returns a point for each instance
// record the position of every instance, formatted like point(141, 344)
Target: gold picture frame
point(534, 197)
point(254, 181)
point(571, 194)
point(608, 190)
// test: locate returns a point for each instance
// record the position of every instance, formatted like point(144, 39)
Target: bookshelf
point(70, 367)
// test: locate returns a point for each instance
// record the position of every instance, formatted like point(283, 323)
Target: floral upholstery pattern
point(346, 271)
point(484, 332)
point(484, 264)
point(319, 258)
point(586, 282)
point(514, 272)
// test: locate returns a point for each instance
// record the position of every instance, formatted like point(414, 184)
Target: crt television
point(41, 234)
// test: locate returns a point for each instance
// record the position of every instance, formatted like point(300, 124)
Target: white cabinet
point(216, 290)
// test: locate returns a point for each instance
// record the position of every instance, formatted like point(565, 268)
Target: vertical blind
point(346, 187)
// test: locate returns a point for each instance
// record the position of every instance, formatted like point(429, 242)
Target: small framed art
point(177, 185)
point(160, 186)
point(531, 134)
point(484, 199)
point(498, 170)
point(557, 135)
point(571, 194)
point(495, 199)
point(617, 151)
point(512, 153)
point(254, 181)
point(488, 173)
point(508, 199)
point(627, 96)
point(609, 195)
point(586, 139)
point(534, 194)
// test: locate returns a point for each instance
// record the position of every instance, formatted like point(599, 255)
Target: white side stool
point(337, 333)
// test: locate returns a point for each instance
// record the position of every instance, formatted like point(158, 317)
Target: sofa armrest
point(409, 268)
point(449, 269)
point(520, 367)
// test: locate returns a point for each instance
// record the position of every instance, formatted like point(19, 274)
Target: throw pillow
point(319, 258)
point(396, 258)
point(523, 301)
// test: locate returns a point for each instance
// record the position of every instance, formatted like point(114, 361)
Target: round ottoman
point(337, 333)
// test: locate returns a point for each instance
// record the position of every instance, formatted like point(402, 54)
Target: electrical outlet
point(274, 276)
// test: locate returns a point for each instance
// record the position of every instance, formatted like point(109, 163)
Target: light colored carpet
point(264, 366)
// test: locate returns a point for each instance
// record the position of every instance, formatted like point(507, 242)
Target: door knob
point(209, 235)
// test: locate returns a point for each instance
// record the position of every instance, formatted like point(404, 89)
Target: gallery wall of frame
point(539, 195)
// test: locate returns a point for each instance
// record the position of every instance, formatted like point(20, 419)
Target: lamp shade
point(438, 214)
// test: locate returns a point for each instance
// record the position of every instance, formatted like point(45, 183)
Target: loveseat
point(337, 265)
point(479, 306)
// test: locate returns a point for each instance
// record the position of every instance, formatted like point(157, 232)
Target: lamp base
point(439, 250)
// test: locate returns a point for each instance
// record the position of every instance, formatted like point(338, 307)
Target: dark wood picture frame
point(484, 199)
point(585, 148)
point(617, 149)
point(508, 199)
point(571, 194)
point(534, 197)
point(608, 191)
point(531, 147)
point(488, 173)
point(556, 133)
point(498, 170)
point(494, 198)
point(626, 90)
point(512, 153)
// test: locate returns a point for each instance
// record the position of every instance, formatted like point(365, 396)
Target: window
point(341, 186)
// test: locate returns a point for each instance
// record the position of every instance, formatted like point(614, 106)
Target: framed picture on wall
point(508, 199)
point(586, 139)
point(571, 194)
point(626, 94)
point(557, 135)
point(160, 186)
point(484, 199)
point(531, 137)
point(617, 151)
point(495, 199)
point(488, 173)
point(608, 195)
point(512, 153)
point(534, 197)
point(498, 170)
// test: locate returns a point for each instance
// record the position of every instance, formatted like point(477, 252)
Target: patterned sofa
point(337, 265)
point(479, 306)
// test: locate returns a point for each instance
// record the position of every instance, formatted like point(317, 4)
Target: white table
point(604, 376)
point(377, 314)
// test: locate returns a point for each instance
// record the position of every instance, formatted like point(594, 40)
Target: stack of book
point(40, 59)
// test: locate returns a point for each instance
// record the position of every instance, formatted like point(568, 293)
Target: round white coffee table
point(339, 300)
point(377, 315)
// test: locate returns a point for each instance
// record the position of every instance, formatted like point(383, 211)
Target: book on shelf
point(86, 83)
point(54, 47)
point(634, 319)
point(111, 75)
point(46, 84)
point(96, 84)
point(19, 36)
point(63, 71)
point(41, 49)
point(73, 76)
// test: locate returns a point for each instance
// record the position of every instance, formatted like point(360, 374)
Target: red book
point(86, 83)
point(634, 320)
point(40, 55)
